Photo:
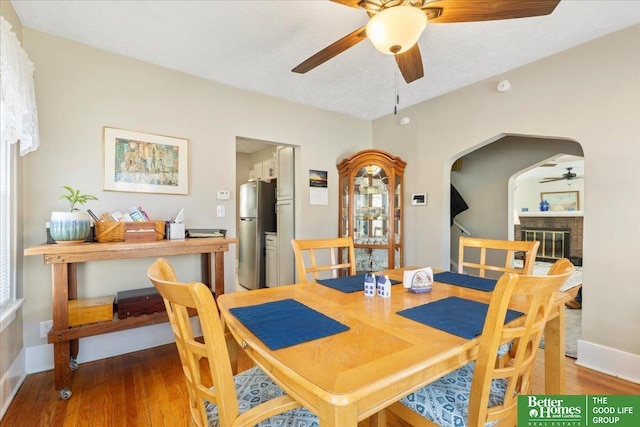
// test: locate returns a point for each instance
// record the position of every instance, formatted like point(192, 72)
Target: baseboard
point(609, 361)
point(40, 358)
point(11, 382)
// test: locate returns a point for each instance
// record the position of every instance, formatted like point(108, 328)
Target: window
point(6, 262)
point(8, 302)
point(18, 123)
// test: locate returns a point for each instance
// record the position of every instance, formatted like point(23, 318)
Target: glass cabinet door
point(397, 222)
point(344, 206)
point(371, 217)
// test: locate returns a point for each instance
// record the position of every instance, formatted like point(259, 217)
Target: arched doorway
point(485, 181)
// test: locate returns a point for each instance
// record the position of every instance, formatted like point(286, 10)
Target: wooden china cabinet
point(370, 208)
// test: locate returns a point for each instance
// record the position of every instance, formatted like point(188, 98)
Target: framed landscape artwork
point(562, 200)
point(145, 163)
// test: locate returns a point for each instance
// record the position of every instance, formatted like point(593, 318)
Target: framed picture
point(561, 200)
point(145, 163)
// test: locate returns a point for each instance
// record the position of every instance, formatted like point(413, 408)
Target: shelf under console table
point(64, 259)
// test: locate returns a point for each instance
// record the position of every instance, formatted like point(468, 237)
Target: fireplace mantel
point(550, 214)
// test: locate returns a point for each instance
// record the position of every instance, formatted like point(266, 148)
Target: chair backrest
point(477, 256)
point(319, 257)
point(535, 296)
point(178, 299)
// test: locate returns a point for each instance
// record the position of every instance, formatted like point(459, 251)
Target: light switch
point(220, 211)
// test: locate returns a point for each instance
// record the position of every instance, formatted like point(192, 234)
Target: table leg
point(341, 416)
point(205, 269)
point(219, 278)
point(61, 349)
point(554, 349)
point(73, 294)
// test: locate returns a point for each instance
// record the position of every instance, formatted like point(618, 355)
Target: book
point(136, 215)
point(107, 217)
point(144, 214)
point(206, 232)
point(117, 216)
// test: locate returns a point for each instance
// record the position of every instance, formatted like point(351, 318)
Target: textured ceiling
point(254, 44)
point(555, 168)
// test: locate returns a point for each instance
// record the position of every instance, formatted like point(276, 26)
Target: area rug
point(572, 332)
point(541, 268)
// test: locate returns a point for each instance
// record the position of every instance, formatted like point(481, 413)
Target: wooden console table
point(64, 259)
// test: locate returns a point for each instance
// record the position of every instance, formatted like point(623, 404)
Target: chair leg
point(378, 419)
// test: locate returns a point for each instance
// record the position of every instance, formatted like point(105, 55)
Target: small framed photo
point(562, 200)
point(145, 163)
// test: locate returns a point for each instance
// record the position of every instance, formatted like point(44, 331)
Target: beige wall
point(81, 89)
point(585, 94)
point(9, 13)
point(588, 94)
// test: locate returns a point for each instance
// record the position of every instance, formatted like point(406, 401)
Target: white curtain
point(18, 110)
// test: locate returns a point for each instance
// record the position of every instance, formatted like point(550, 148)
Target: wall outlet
point(45, 328)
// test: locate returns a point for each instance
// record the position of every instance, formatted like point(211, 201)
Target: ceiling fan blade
point(488, 10)
point(551, 180)
point(350, 3)
point(332, 50)
point(410, 64)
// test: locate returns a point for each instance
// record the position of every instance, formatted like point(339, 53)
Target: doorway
point(273, 163)
point(485, 180)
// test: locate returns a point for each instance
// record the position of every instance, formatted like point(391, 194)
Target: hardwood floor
point(146, 388)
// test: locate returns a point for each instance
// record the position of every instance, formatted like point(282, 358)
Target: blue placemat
point(286, 322)
point(457, 316)
point(348, 284)
point(466, 281)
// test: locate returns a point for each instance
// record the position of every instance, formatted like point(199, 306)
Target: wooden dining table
point(353, 375)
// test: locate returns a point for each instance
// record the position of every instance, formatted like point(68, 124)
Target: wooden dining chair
point(476, 256)
point(324, 258)
point(246, 399)
point(480, 392)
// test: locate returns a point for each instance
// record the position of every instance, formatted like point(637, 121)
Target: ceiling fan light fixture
point(395, 30)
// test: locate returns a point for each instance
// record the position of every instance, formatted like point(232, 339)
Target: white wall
point(81, 89)
point(527, 192)
point(588, 94)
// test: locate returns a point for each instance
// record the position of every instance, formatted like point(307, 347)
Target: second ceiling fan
point(568, 175)
point(395, 26)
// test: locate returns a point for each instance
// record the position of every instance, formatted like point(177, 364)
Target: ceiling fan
point(395, 26)
point(568, 175)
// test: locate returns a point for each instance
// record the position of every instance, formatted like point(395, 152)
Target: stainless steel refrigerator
point(257, 215)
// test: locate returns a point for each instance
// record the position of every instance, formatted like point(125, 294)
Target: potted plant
point(71, 226)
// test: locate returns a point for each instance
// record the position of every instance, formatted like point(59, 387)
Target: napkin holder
point(418, 281)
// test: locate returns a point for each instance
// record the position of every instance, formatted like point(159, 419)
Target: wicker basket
point(114, 231)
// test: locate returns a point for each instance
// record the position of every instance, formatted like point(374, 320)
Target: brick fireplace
point(560, 235)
